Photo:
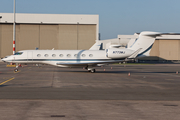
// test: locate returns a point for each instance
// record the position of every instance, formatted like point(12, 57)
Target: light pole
point(14, 29)
point(0, 21)
point(77, 33)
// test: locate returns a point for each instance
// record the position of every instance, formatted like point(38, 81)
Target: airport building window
point(38, 55)
point(90, 55)
point(46, 55)
point(61, 55)
point(53, 55)
point(83, 55)
point(68, 55)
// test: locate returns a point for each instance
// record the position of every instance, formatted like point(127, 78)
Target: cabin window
point(68, 55)
point(90, 55)
point(53, 55)
point(75, 55)
point(18, 53)
point(38, 55)
point(46, 55)
point(61, 55)
point(83, 55)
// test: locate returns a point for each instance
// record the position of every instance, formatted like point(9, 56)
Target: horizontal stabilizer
point(114, 46)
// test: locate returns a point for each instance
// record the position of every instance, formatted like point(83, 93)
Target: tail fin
point(135, 54)
point(145, 42)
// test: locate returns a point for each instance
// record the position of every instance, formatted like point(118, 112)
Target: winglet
point(134, 55)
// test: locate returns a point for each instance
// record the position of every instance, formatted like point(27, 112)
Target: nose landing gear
point(16, 69)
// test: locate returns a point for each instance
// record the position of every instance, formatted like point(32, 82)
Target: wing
point(96, 46)
point(89, 63)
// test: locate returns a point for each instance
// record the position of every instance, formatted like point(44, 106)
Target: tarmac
point(114, 92)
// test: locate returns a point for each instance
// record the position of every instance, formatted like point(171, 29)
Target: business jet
point(87, 59)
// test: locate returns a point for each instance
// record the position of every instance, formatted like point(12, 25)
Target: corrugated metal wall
point(166, 50)
point(29, 36)
point(77, 36)
point(6, 36)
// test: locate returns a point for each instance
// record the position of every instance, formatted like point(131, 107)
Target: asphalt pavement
point(126, 92)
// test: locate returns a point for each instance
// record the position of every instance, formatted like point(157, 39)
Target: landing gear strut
point(16, 69)
point(90, 69)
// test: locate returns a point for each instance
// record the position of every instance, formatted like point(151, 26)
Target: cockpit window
point(18, 53)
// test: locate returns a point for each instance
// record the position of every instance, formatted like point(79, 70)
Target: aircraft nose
point(3, 59)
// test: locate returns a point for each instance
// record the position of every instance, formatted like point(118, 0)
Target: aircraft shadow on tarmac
point(101, 71)
point(3, 86)
point(98, 71)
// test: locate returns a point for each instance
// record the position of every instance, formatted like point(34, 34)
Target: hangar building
point(47, 31)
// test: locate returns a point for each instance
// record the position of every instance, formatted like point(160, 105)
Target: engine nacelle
point(117, 53)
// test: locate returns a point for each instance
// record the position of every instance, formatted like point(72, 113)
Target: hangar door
point(169, 49)
point(76, 36)
point(6, 37)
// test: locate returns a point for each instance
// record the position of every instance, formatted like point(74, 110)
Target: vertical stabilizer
point(145, 42)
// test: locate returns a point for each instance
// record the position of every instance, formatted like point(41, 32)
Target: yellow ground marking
point(6, 81)
point(10, 65)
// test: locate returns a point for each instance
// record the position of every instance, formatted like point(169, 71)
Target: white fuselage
point(64, 58)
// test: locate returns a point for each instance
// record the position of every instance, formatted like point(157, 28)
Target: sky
point(116, 17)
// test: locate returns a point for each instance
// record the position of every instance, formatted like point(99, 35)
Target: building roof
point(50, 18)
point(165, 36)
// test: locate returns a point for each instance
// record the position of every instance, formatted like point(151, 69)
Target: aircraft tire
point(15, 70)
point(93, 70)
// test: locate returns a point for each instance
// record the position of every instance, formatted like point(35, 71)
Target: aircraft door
point(29, 56)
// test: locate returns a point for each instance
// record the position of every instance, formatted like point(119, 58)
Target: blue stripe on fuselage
point(75, 60)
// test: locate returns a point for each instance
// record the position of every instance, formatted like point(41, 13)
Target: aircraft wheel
point(93, 70)
point(15, 70)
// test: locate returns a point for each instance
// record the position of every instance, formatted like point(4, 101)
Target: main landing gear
point(90, 69)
